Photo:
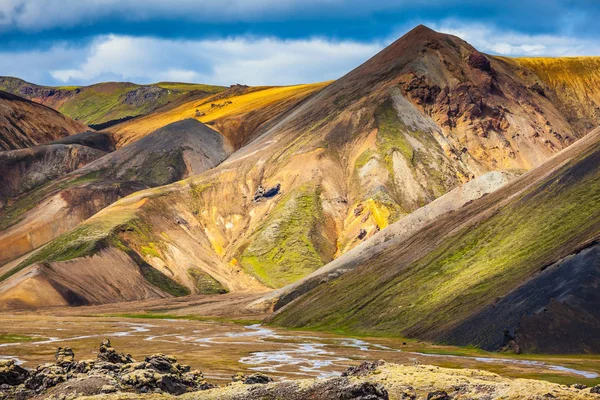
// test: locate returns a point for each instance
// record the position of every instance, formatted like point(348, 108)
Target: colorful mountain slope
point(515, 268)
point(574, 82)
point(171, 153)
point(25, 169)
point(318, 169)
point(24, 123)
point(104, 103)
point(237, 112)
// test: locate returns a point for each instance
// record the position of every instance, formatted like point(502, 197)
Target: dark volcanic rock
point(112, 372)
point(563, 296)
point(262, 193)
point(11, 373)
point(364, 368)
point(257, 378)
point(64, 357)
point(109, 354)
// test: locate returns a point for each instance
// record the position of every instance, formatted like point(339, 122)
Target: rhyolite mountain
point(174, 152)
point(315, 170)
point(106, 103)
point(24, 123)
point(517, 269)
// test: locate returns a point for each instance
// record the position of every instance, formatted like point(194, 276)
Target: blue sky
point(259, 42)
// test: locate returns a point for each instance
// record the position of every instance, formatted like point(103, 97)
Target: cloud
point(498, 41)
point(247, 59)
point(253, 61)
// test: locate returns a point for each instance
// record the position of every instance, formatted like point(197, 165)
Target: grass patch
point(150, 315)
point(204, 283)
point(289, 244)
point(13, 338)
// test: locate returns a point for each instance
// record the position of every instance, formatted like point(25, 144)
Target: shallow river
point(222, 349)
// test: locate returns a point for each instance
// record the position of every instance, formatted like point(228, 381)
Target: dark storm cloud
point(86, 35)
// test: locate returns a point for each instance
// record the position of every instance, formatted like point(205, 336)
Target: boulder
point(45, 376)
point(365, 391)
point(11, 373)
point(64, 356)
point(257, 378)
point(109, 354)
point(362, 369)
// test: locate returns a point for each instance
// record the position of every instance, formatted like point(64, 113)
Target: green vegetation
point(188, 87)
point(74, 244)
point(425, 163)
point(161, 281)
point(108, 101)
point(89, 238)
point(205, 283)
point(469, 270)
point(152, 315)
point(289, 244)
point(390, 137)
point(9, 338)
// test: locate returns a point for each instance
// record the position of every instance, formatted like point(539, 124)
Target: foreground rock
point(110, 372)
point(161, 377)
point(380, 380)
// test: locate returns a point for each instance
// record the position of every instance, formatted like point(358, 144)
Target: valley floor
point(221, 346)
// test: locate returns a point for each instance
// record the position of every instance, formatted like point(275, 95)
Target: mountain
point(24, 123)
point(517, 269)
point(237, 113)
point(171, 153)
point(316, 170)
point(106, 103)
point(25, 169)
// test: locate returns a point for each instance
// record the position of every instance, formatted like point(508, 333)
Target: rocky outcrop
point(110, 372)
point(25, 169)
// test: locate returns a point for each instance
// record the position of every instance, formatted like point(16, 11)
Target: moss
point(363, 159)
point(204, 283)
point(151, 250)
point(80, 242)
point(390, 135)
point(289, 244)
point(468, 270)
point(9, 338)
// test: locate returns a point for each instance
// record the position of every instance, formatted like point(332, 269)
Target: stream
point(221, 349)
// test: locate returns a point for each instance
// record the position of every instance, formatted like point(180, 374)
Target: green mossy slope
point(288, 245)
point(424, 295)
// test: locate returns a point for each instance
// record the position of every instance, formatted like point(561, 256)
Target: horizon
point(61, 43)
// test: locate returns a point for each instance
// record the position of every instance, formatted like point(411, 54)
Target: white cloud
point(252, 61)
point(498, 41)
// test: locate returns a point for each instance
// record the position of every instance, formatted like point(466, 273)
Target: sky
point(265, 42)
